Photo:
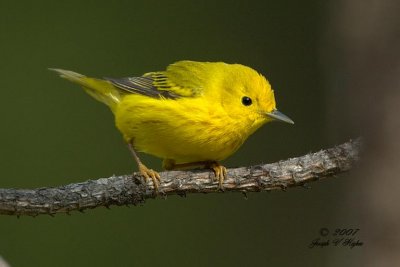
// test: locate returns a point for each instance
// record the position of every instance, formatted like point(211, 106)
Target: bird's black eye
point(246, 101)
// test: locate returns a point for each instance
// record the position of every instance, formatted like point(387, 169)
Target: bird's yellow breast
point(185, 130)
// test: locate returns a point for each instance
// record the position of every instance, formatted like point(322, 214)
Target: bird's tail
point(101, 90)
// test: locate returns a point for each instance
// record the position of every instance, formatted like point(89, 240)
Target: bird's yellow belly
point(183, 146)
point(173, 129)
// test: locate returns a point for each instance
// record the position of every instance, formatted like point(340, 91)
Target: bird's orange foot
point(150, 174)
point(220, 173)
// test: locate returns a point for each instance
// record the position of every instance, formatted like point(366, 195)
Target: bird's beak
point(279, 116)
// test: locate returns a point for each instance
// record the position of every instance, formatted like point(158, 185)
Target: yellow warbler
point(192, 114)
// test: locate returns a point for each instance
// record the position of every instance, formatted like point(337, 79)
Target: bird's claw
point(150, 174)
point(220, 174)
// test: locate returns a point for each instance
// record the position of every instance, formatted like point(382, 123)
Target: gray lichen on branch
point(123, 190)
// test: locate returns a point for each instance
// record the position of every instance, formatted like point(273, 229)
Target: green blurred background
point(53, 133)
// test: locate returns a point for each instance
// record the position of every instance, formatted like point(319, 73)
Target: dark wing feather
point(144, 85)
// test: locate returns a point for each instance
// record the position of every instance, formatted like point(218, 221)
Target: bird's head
point(248, 97)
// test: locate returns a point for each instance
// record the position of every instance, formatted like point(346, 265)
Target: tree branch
point(123, 190)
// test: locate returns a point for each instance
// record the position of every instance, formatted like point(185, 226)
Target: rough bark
point(128, 189)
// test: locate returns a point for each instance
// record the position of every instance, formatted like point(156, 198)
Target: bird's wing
point(181, 79)
point(143, 85)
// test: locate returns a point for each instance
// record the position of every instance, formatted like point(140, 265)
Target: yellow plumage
point(194, 113)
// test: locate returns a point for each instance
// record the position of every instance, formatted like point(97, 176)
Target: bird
point(192, 114)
